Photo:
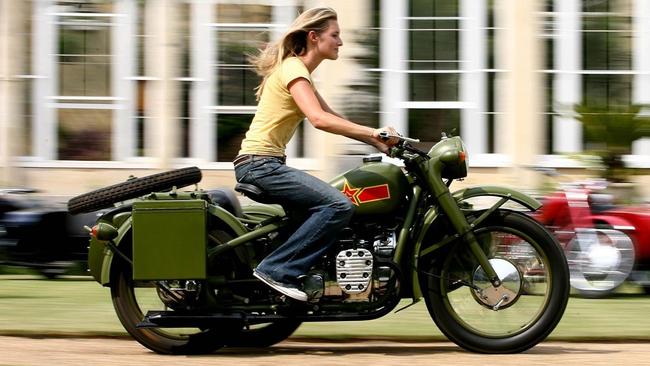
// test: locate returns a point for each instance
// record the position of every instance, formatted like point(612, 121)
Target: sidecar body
point(38, 233)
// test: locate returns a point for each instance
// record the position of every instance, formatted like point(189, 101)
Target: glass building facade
point(159, 84)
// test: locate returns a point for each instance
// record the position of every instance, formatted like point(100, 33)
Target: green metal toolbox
point(169, 239)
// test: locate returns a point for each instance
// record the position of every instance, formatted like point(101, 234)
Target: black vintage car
point(39, 233)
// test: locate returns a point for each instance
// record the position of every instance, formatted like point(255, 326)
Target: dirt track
point(19, 351)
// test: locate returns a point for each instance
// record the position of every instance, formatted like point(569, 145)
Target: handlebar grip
point(384, 135)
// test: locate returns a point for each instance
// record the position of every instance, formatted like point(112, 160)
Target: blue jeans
point(325, 209)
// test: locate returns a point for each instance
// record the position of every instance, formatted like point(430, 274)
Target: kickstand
point(415, 301)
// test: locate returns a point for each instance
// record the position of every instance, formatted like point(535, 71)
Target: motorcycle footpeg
point(313, 285)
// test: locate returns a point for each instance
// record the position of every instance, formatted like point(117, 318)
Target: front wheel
point(511, 318)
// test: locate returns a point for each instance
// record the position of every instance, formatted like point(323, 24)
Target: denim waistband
point(247, 158)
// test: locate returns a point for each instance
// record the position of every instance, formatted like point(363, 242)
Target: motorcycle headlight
point(452, 153)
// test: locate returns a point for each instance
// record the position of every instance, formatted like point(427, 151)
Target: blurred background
point(93, 91)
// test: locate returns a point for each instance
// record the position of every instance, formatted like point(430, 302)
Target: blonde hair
point(293, 43)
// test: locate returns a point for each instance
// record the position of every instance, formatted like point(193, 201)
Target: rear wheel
point(261, 335)
point(132, 299)
point(511, 318)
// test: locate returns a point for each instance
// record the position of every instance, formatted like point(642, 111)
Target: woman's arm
point(324, 105)
point(310, 104)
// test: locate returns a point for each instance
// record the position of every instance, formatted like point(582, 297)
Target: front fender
point(496, 191)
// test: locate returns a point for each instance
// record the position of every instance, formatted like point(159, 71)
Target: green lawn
point(75, 306)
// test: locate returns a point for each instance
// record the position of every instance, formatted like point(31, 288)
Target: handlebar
point(385, 136)
point(403, 145)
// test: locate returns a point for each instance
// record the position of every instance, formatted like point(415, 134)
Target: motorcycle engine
point(357, 272)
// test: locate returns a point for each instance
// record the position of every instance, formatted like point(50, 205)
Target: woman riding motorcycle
point(286, 96)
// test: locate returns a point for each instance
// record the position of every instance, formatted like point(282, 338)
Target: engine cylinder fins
point(354, 270)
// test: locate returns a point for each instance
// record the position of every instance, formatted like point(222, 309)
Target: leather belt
point(247, 158)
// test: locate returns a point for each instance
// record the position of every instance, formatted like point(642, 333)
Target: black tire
point(520, 325)
point(264, 335)
point(51, 273)
point(107, 196)
point(646, 289)
point(129, 312)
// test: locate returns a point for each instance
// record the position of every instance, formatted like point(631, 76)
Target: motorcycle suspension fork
point(466, 231)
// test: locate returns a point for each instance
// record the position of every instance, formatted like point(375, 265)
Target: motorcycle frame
point(426, 175)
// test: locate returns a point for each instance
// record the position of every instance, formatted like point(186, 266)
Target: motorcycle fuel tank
point(375, 188)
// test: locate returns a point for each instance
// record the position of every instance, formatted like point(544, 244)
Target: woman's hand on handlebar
point(385, 138)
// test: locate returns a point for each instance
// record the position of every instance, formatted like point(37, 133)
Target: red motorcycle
point(602, 242)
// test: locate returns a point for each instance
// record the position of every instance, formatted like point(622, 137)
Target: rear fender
point(258, 212)
point(100, 257)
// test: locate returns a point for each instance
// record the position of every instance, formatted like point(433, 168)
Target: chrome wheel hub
point(502, 296)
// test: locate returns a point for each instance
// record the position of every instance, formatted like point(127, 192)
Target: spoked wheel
point(510, 318)
point(132, 300)
point(600, 260)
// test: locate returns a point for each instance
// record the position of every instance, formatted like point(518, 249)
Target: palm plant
point(609, 133)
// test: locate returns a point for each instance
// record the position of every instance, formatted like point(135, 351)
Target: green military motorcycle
point(179, 263)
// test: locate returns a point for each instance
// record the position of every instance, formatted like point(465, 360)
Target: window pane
point(607, 36)
point(26, 117)
point(433, 49)
point(434, 87)
point(231, 129)
point(433, 35)
point(428, 124)
point(183, 28)
point(84, 57)
point(429, 8)
point(236, 77)
point(607, 90)
point(243, 13)
point(446, 8)
point(85, 134)
point(548, 112)
point(140, 39)
point(184, 122)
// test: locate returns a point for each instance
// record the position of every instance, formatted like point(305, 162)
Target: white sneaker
point(282, 288)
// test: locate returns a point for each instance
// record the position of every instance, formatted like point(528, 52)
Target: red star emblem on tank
point(350, 192)
point(365, 194)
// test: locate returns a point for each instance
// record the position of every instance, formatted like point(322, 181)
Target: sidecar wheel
point(463, 303)
point(107, 196)
point(130, 308)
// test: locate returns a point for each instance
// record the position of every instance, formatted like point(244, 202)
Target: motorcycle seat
point(252, 191)
point(227, 199)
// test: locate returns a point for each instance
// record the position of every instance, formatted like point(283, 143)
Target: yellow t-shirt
point(277, 115)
